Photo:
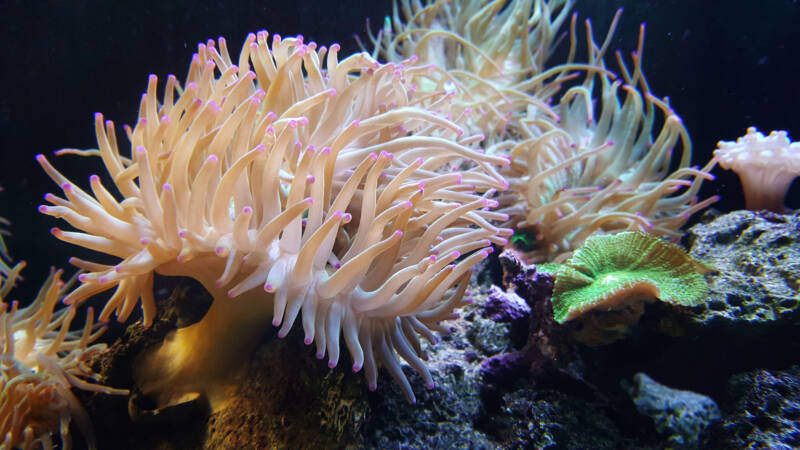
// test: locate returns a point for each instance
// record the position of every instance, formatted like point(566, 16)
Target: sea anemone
point(286, 186)
point(607, 165)
point(765, 165)
point(491, 56)
point(597, 156)
point(4, 258)
point(41, 361)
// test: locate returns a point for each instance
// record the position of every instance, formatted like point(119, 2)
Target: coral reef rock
point(757, 256)
point(682, 415)
point(548, 419)
point(763, 410)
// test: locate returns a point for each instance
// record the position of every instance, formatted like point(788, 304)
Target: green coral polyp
point(613, 272)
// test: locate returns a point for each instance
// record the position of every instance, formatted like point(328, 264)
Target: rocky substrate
point(720, 375)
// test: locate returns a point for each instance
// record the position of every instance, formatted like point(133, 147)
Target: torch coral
point(41, 361)
point(765, 165)
point(286, 185)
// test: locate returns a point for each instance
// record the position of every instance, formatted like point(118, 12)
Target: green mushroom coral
point(612, 276)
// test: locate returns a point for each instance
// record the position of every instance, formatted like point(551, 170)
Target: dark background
point(726, 65)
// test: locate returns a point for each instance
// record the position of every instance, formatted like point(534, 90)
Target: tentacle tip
point(356, 368)
point(308, 340)
point(331, 364)
point(430, 385)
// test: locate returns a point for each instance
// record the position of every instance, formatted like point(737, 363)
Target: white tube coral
point(289, 188)
point(765, 165)
point(41, 361)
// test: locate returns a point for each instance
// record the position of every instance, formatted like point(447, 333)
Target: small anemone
point(612, 276)
point(766, 165)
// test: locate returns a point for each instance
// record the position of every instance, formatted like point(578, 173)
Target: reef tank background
point(725, 65)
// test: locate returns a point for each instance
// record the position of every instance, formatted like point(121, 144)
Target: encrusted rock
point(757, 256)
point(546, 419)
point(681, 415)
point(762, 411)
point(504, 306)
point(445, 416)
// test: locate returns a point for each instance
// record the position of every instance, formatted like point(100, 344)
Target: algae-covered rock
point(551, 420)
point(447, 415)
point(680, 415)
point(757, 256)
point(762, 411)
